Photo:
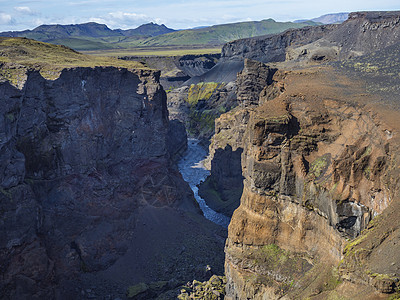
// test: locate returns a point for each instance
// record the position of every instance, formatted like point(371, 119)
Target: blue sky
point(177, 14)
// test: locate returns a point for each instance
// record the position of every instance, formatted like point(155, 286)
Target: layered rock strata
point(317, 170)
point(223, 188)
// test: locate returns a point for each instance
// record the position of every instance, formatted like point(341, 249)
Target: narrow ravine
point(193, 172)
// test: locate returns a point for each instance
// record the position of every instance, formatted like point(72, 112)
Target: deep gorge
point(303, 162)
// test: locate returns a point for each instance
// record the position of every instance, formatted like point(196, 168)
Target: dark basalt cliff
point(273, 47)
point(362, 33)
point(83, 159)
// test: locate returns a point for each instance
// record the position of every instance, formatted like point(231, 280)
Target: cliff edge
point(89, 193)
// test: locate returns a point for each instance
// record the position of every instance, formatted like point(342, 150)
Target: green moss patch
point(213, 289)
point(272, 266)
point(319, 166)
point(201, 91)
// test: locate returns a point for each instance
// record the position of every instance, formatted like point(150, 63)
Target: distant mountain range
point(94, 36)
point(46, 33)
point(328, 19)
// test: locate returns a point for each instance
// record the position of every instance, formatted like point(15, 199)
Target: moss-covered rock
point(213, 289)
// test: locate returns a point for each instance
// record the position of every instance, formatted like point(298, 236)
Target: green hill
point(19, 54)
point(48, 33)
point(220, 34)
point(93, 36)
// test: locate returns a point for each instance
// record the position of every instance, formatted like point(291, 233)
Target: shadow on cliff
point(223, 188)
point(87, 186)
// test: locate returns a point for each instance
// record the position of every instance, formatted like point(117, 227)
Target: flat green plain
point(156, 51)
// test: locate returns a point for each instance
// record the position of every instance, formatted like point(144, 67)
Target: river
point(193, 172)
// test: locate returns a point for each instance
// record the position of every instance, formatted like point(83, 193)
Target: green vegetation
point(201, 91)
point(202, 116)
point(319, 166)
point(82, 44)
point(224, 201)
point(156, 51)
point(273, 255)
point(216, 35)
point(283, 119)
point(19, 54)
point(201, 122)
point(365, 67)
point(380, 69)
point(275, 267)
point(274, 259)
point(333, 280)
point(92, 36)
point(395, 296)
point(212, 289)
point(350, 247)
point(379, 276)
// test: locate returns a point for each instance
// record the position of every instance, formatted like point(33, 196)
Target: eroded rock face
point(79, 155)
point(198, 105)
point(254, 77)
point(316, 172)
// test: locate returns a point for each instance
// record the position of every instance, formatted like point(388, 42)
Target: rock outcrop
point(319, 161)
point(223, 188)
point(318, 168)
point(83, 159)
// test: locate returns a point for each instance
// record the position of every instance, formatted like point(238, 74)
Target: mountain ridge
point(334, 18)
point(90, 29)
point(91, 36)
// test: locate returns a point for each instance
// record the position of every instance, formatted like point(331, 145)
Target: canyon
point(302, 130)
point(317, 152)
point(92, 201)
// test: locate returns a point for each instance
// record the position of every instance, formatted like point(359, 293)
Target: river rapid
point(193, 172)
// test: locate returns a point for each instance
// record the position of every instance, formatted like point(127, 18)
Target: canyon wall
point(317, 168)
point(83, 158)
point(320, 165)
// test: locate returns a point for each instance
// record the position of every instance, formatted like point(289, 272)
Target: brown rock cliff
point(318, 167)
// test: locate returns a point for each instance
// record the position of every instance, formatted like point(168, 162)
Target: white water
point(193, 172)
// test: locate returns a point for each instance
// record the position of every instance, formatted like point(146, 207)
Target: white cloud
point(23, 9)
point(5, 19)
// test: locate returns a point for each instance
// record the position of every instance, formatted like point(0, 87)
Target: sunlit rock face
point(317, 169)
